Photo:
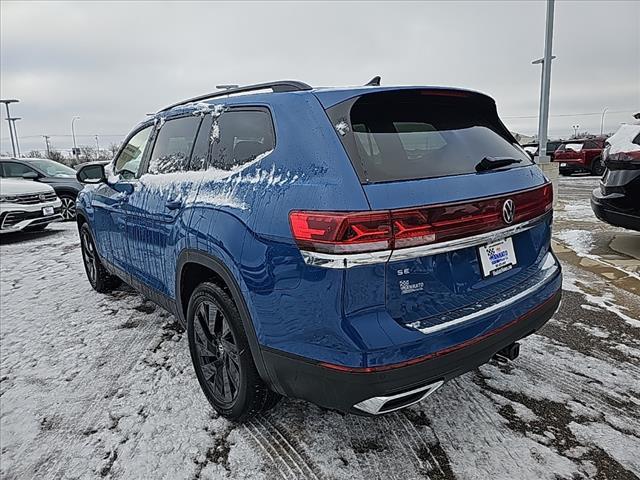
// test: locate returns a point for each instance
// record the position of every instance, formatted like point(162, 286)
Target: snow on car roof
point(622, 140)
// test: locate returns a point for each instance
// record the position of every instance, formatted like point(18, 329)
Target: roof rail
point(277, 87)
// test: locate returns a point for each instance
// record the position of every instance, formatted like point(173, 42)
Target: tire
point(101, 280)
point(597, 167)
point(68, 207)
point(222, 358)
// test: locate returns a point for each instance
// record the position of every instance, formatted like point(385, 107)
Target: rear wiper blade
point(489, 163)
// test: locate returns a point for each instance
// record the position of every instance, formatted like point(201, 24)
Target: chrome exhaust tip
point(390, 403)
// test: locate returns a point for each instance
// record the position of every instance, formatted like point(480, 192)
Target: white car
point(27, 205)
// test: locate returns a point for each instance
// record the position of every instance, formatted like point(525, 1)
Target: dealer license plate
point(497, 257)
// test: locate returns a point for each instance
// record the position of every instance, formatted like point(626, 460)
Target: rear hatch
point(444, 178)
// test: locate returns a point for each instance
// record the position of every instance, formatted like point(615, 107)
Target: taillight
point(631, 156)
point(339, 232)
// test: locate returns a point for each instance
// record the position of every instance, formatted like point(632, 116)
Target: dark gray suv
point(59, 176)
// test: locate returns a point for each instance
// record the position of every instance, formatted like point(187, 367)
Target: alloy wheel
point(89, 257)
point(67, 208)
point(217, 353)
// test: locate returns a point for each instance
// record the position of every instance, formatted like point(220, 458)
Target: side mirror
point(30, 176)
point(91, 174)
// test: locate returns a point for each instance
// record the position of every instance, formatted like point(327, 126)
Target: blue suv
point(353, 247)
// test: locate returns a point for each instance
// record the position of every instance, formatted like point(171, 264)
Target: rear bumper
point(569, 167)
point(332, 388)
point(604, 208)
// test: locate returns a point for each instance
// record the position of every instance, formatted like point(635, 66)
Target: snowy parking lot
point(98, 385)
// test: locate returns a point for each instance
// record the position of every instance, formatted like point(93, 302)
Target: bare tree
point(113, 148)
point(56, 155)
point(584, 134)
point(35, 154)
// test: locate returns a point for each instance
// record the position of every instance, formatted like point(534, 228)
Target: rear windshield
point(402, 135)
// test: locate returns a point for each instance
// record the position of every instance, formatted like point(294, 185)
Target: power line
point(66, 136)
point(568, 114)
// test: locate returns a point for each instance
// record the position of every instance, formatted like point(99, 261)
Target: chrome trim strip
point(349, 260)
point(460, 243)
point(330, 260)
point(549, 266)
point(374, 405)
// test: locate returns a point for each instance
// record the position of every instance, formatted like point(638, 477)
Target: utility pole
point(545, 88)
point(46, 141)
point(97, 148)
point(6, 104)
point(15, 134)
point(73, 134)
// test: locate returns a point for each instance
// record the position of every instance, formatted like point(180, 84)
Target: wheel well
point(192, 275)
point(67, 193)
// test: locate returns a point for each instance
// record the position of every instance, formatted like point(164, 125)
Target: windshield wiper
point(489, 163)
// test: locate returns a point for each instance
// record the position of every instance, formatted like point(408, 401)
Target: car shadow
point(20, 237)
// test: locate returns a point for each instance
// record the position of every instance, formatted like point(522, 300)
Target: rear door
point(156, 207)
point(451, 176)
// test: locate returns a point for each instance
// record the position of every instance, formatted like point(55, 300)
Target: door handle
point(173, 204)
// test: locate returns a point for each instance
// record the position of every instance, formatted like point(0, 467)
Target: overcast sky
point(112, 62)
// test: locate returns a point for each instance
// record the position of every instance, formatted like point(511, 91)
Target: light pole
point(73, 134)
point(46, 141)
point(543, 124)
point(575, 130)
point(602, 120)
point(97, 148)
point(6, 104)
point(15, 133)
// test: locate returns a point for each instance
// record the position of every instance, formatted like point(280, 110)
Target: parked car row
point(47, 172)
point(575, 155)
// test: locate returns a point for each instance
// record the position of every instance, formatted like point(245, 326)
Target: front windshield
point(53, 169)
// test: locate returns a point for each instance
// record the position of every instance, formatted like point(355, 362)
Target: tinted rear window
point(244, 134)
point(405, 136)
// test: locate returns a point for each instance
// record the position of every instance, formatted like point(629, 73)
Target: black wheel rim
point(89, 257)
point(217, 353)
point(68, 208)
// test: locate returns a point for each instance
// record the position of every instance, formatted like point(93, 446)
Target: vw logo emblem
point(42, 197)
point(508, 211)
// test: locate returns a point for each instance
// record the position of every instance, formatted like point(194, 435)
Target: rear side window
point(173, 145)
point(597, 144)
point(244, 134)
point(409, 135)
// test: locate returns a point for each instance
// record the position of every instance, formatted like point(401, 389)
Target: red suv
point(581, 155)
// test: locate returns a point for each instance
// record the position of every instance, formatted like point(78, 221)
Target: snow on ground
point(101, 386)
